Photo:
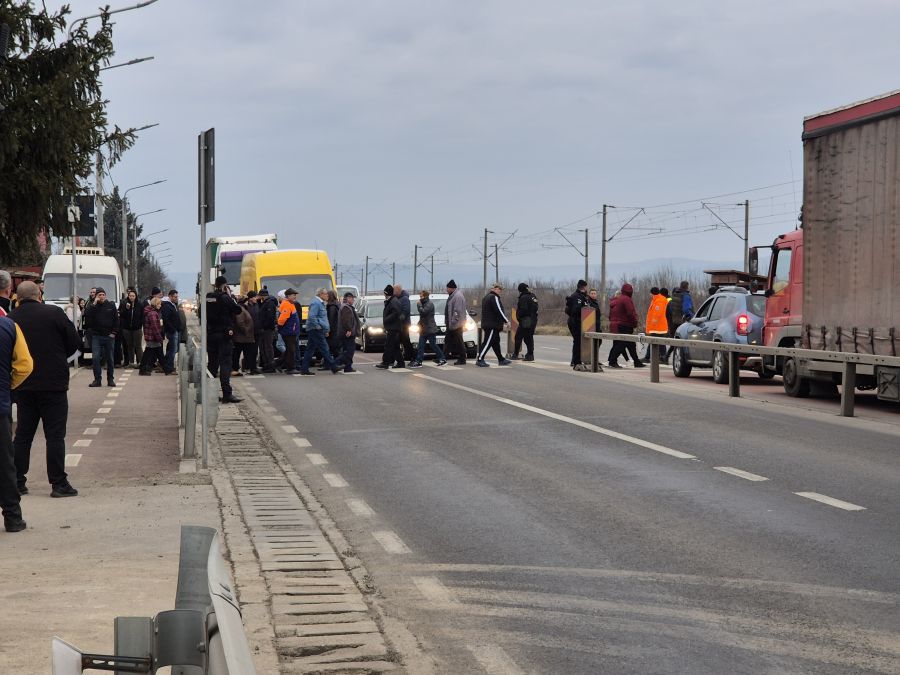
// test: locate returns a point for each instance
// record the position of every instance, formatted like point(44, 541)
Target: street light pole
point(603, 298)
point(125, 230)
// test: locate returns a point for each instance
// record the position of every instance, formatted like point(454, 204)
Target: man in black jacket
point(102, 319)
point(171, 328)
point(43, 397)
point(222, 309)
point(394, 319)
point(131, 326)
point(574, 304)
point(527, 316)
point(268, 307)
point(493, 319)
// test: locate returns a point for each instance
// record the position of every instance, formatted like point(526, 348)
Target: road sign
point(80, 215)
point(206, 194)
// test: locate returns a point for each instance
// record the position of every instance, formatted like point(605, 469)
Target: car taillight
point(743, 324)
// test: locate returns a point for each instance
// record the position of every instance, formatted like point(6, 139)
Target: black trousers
point(289, 360)
point(525, 335)
point(248, 351)
point(150, 357)
point(454, 344)
point(491, 341)
point(9, 491)
point(219, 349)
point(620, 347)
point(266, 348)
point(407, 344)
point(392, 349)
point(51, 408)
point(348, 352)
point(575, 330)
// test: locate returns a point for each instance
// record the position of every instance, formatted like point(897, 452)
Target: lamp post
point(125, 229)
point(134, 238)
point(109, 11)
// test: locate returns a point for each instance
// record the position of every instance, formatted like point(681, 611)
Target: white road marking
point(494, 660)
point(103, 411)
point(432, 589)
point(109, 402)
point(112, 394)
point(82, 443)
point(254, 377)
point(302, 442)
point(289, 429)
point(335, 480)
point(568, 420)
point(740, 474)
point(91, 431)
point(262, 401)
point(360, 508)
point(316, 458)
point(555, 349)
point(431, 364)
point(390, 542)
point(401, 371)
point(270, 410)
point(831, 501)
point(279, 418)
point(73, 459)
point(98, 420)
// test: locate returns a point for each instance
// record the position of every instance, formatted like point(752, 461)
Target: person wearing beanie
point(221, 311)
point(102, 318)
point(393, 320)
point(527, 316)
point(493, 319)
point(623, 316)
point(455, 317)
point(574, 304)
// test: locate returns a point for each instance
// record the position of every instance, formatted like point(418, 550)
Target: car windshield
point(374, 310)
point(756, 304)
point(439, 305)
point(231, 270)
point(59, 286)
point(304, 284)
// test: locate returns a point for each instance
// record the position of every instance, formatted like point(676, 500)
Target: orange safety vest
point(656, 315)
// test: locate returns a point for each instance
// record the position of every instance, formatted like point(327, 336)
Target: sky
point(365, 128)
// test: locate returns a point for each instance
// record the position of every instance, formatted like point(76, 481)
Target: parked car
point(732, 315)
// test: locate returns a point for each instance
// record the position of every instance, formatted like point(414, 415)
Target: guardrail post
point(654, 362)
point(190, 422)
point(595, 355)
point(848, 389)
point(734, 375)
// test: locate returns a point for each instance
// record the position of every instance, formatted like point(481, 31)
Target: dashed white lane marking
point(335, 480)
point(740, 474)
point(401, 371)
point(360, 508)
point(82, 443)
point(431, 364)
point(91, 431)
point(103, 411)
point(112, 394)
point(109, 402)
point(390, 542)
point(432, 589)
point(831, 501)
point(316, 458)
point(98, 420)
point(494, 660)
point(279, 418)
point(289, 429)
point(302, 443)
point(568, 420)
point(73, 459)
point(555, 349)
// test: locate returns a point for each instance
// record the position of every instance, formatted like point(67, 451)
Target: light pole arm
point(108, 12)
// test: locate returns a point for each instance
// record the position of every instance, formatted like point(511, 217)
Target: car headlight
point(470, 325)
point(414, 329)
point(374, 330)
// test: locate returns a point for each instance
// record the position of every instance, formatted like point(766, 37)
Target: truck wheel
point(794, 385)
point(720, 368)
point(680, 365)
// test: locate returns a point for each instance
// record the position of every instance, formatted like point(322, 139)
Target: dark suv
point(733, 315)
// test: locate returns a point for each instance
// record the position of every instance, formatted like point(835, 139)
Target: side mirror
point(697, 320)
point(769, 292)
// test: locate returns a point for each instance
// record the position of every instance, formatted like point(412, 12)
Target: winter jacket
point(267, 312)
point(253, 309)
point(52, 338)
point(288, 319)
point(455, 315)
point(222, 309)
point(622, 313)
point(131, 315)
point(427, 324)
point(171, 322)
point(348, 320)
point(656, 315)
point(15, 361)
point(593, 304)
point(574, 304)
point(394, 318)
point(492, 315)
point(332, 311)
point(243, 328)
point(527, 310)
point(681, 308)
point(152, 325)
point(102, 318)
point(405, 306)
point(317, 316)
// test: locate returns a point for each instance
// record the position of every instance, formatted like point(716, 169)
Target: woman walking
point(153, 337)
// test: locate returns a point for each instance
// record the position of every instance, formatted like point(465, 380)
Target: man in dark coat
point(43, 397)
point(527, 316)
point(623, 315)
point(493, 319)
point(405, 342)
point(268, 308)
point(102, 318)
point(393, 319)
point(16, 365)
point(349, 327)
point(574, 304)
point(171, 328)
point(222, 309)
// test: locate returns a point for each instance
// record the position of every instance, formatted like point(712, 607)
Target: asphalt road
point(534, 519)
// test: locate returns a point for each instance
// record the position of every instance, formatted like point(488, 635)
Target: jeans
point(171, 351)
point(436, 348)
point(51, 408)
point(103, 345)
point(316, 343)
point(9, 492)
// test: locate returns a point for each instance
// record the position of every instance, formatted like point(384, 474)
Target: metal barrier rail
point(848, 373)
point(191, 369)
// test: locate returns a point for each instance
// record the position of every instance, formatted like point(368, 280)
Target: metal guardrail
point(848, 372)
point(191, 370)
point(203, 635)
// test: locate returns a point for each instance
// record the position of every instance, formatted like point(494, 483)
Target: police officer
point(222, 309)
point(527, 316)
point(574, 304)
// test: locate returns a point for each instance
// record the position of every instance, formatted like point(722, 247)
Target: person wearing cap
point(317, 332)
point(392, 319)
point(455, 317)
point(268, 306)
point(527, 316)
point(349, 327)
point(574, 304)
point(102, 318)
point(289, 328)
point(493, 319)
point(221, 310)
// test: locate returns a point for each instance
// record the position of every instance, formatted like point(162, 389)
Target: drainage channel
point(322, 621)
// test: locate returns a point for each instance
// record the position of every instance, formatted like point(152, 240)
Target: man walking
point(679, 310)
point(43, 397)
point(428, 331)
point(574, 304)
point(171, 328)
point(15, 366)
point(317, 330)
point(392, 319)
point(103, 320)
point(349, 326)
point(455, 317)
point(267, 310)
point(623, 316)
point(493, 319)
point(221, 309)
point(527, 316)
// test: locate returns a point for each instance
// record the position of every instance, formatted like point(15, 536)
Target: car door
point(699, 330)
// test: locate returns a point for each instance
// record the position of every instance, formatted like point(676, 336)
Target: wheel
point(720, 368)
point(794, 385)
point(765, 374)
point(680, 365)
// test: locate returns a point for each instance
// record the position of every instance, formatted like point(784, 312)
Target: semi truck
point(225, 255)
point(834, 283)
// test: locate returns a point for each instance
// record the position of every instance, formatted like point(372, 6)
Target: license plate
point(303, 343)
point(440, 340)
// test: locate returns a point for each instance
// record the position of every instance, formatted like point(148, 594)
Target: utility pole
point(603, 299)
point(336, 280)
point(366, 278)
point(415, 267)
point(586, 244)
point(432, 273)
point(496, 263)
point(98, 202)
point(747, 235)
point(484, 283)
point(393, 272)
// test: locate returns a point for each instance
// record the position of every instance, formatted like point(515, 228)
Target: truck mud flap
point(889, 384)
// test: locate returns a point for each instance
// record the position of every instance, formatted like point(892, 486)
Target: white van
point(94, 269)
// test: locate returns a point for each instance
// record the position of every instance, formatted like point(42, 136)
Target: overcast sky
point(366, 127)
